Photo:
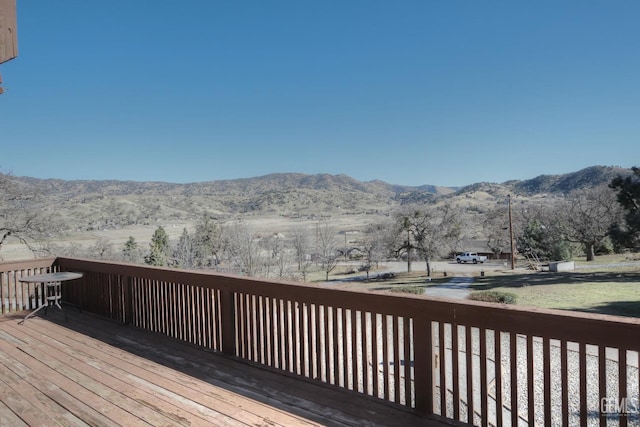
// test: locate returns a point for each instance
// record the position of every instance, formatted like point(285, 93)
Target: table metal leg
point(52, 296)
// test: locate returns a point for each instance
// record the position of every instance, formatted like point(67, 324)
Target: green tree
point(130, 252)
point(627, 234)
point(209, 242)
point(587, 217)
point(158, 248)
point(543, 242)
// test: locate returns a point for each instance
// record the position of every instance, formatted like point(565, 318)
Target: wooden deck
point(92, 371)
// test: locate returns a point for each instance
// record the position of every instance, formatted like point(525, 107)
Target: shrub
point(494, 296)
point(418, 290)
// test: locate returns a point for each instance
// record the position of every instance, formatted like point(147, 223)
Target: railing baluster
point(531, 406)
point(396, 360)
point(564, 378)
point(319, 347)
point(513, 372)
point(304, 342)
point(484, 408)
point(583, 384)
point(264, 333)
point(455, 374)
point(201, 314)
point(497, 339)
point(309, 361)
point(546, 359)
point(255, 336)
point(241, 311)
point(206, 317)
point(354, 351)
point(345, 349)
point(385, 358)
point(442, 367)
point(168, 308)
point(244, 325)
point(469, 354)
point(295, 338)
point(335, 342)
point(407, 358)
point(273, 327)
point(364, 331)
point(178, 294)
point(623, 393)
point(602, 378)
point(286, 307)
point(375, 373)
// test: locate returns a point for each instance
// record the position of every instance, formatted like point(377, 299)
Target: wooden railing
point(16, 296)
point(478, 363)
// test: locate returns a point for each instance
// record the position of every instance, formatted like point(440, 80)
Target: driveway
point(457, 287)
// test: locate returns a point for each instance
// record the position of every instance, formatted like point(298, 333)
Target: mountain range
point(107, 203)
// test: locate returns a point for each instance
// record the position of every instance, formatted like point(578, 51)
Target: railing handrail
point(21, 265)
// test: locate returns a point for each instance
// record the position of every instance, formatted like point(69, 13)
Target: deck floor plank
point(268, 386)
point(72, 396)
point(171, 385)
point(9, 418)
point(42, 405)
point(93, 371)
point(125, 380)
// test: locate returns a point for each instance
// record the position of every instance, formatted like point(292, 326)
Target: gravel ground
point(593, 403)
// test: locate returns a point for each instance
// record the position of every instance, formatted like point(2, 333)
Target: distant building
point(480, 246)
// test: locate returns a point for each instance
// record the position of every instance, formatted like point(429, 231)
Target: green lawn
point(611, 292)
point(608, 285)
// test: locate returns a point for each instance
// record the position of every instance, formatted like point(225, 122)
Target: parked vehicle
point(473, 257)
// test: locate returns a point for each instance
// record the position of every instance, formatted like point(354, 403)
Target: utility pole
point(513, 259)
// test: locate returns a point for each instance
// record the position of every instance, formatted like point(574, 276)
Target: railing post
point(228, 326)
point(423, 364)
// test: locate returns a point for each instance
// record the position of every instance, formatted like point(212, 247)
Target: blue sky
point(410, 92)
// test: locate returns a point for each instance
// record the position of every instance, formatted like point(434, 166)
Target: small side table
point(51, 287)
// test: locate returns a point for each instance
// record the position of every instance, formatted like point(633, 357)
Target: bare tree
point(21, 218)
point(588, 215)
point(495, 227)
point(184, 252)
point(327, 254)
point(101, 249)
point(374, 245)
point(431, 229)
point(279, 257)
point(244, 249)
point(302, 248)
